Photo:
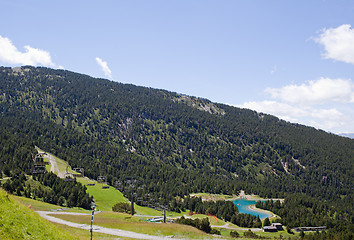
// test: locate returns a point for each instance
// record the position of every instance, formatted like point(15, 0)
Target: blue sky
point(292, 59)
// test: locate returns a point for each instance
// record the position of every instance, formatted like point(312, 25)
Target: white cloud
point(338, 43)
point(330, 114)
point(32, 56)
point(281, 110)
point(104, 67)
point(315, 92)
point(320, 118)
point(324, 103)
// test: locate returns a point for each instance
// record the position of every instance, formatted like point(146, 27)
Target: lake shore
point(253, 197)
point(254, 208)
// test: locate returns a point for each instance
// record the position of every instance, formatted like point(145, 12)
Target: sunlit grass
point(135, 224)
point(20, 222)
point(105, 199)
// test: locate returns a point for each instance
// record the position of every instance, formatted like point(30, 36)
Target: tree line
point(50, 189)
point(167, 140)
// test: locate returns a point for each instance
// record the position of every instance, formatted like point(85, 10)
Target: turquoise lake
point(243, 207)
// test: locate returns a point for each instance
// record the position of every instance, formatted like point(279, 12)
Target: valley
point(176, 150)
point(129, 226)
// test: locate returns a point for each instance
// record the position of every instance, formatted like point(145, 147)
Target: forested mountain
point(175, 144)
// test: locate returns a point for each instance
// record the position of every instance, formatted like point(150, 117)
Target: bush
point(203, 224)
point(234, 234)
point(122, 207)
point(250, 234)
point(215, 231)
point(288, 229)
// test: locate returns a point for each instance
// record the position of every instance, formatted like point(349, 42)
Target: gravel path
point(111, 231)
point(53, 164)
point(236, 228)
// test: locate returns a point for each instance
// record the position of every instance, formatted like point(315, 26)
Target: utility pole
point(132, 204)
point(93, 205)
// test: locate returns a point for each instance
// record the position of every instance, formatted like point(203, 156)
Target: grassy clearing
point(212, 220)
point(19, 222)
point(213, 197)
point(105, 199)
point(134, 224)
point(36, 205)
point(84, 234)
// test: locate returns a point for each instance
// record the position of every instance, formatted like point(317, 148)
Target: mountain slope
point(175, 144)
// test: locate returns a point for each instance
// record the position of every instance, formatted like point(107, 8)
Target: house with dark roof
point(279, 226)
point(275, 227)
point(269, 229)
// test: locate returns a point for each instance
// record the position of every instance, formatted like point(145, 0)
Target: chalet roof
point(270, 227)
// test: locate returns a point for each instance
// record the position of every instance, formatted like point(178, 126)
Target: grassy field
point(136, 224)
point(19, 222)
point(105, 199)
point(84, 234)
point(36, 205)
point(213, 197)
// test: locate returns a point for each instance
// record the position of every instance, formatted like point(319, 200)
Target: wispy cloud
point(9, 54)
point(338, 43)
point(274, 69)
point(104, 66)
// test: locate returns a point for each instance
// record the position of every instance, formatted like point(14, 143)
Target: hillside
point(174, 144)
point(19, 222)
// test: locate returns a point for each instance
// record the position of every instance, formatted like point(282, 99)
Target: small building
point(270, 229)
point(279, 226)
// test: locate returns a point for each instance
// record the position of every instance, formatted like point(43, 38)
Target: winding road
point(99, 229)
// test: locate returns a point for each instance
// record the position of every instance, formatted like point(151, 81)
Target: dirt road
point(53, 164)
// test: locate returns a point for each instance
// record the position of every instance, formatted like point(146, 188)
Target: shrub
point(203, 224)
point(215, 231)
point(234, 234)
point(122, 207)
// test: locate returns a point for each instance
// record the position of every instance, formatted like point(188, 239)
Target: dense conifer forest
point(174, 144)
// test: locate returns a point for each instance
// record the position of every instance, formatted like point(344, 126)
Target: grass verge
point(134, 224)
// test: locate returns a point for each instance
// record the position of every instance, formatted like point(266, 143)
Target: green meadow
point(19, 222)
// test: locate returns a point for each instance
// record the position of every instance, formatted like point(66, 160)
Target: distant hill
point(174, 144)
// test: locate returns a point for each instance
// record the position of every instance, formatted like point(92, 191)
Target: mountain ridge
point(348, 135)
point(188, 137)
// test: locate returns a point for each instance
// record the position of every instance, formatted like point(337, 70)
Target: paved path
point(53, 164)
point(236, 228)
point(111, 231)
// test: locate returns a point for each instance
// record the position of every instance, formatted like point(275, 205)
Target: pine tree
point(266, 222)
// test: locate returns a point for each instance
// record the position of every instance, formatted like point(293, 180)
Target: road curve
point(111, 231)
